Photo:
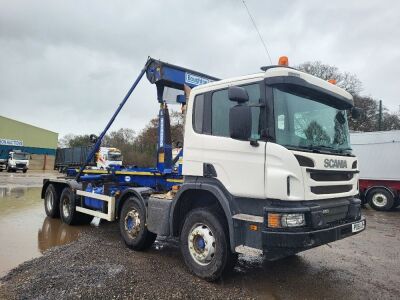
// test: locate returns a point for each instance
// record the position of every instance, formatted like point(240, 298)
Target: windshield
point(114, 156)
point(307, 123)
point(20, 156)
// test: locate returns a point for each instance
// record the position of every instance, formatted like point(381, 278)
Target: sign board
point(195, 79)
point(7, 142)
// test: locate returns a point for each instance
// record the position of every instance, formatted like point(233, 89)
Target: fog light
point(293, 220)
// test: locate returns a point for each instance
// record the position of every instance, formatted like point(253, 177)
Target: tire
point(24, 171)
point(52, 202)
point(396, 203)
point(380, 199)
point(68, 213)
point(132, 225)
point(205, 245)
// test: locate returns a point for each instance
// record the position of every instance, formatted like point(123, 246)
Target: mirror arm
point(254, 142)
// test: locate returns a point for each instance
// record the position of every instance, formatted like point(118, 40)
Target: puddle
point(25, 231)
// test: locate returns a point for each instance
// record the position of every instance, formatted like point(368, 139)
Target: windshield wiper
point(308, 148)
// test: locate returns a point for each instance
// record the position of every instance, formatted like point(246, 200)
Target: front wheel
point(132, 225)
point(380, 199)
point(24, 170)
point(205, 245)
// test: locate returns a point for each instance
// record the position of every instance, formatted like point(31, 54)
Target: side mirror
point(240, 122)
point(238, 94)
point(356, 113)
point(93, 138)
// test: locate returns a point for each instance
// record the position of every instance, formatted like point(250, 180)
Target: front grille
point(20, 165)
point(331, 189)
point(331, 176)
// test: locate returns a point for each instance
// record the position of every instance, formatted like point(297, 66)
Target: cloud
point(65, 65)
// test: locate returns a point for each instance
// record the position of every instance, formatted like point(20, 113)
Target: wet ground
point(94, 262)
point(25, 232)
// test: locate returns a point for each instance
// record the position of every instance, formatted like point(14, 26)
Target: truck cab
point(16, 161)
point(276, 146)
point(107, 157)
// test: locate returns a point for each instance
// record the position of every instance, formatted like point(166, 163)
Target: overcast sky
point(65, 65)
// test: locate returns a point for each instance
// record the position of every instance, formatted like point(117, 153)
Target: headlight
point(278, 220)
point(293, 220)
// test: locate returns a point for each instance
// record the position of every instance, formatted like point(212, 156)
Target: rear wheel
point(68, 212)
point(205, 245)
point(132, 225)
point(380, 199)
point(396, 203)
point(52, 202)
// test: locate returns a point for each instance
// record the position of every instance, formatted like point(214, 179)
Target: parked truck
point(267, 169)
point(76, 156)
point(379, 163)
point(14, 160)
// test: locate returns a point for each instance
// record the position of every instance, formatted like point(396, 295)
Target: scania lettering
point(335, 163)
point(266, 168)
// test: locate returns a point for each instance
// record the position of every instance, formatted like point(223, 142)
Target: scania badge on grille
point(335, 163)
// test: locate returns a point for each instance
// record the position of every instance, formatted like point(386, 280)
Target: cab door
point(238, 165)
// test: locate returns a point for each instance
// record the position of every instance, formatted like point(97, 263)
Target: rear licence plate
point(356, 227)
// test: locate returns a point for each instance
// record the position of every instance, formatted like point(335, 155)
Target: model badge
point(325, 211)
point(335, 163)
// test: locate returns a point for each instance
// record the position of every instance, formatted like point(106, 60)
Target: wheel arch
point(210, 195)
point(140, 193)
point(59, 186)
point(371, 188)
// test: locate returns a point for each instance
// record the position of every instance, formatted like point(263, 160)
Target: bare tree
point(345, 80)
point(351, 83)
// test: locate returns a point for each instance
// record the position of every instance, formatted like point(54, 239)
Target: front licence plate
point(356, 227)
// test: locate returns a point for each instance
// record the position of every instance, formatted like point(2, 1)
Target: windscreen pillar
point(164, 145)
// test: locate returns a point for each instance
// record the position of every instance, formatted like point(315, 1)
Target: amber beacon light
point(333, 81)
point(283, 61)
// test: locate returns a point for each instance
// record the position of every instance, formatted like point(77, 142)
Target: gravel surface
point(98, 264)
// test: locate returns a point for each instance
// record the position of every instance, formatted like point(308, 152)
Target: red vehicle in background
point(378, 156)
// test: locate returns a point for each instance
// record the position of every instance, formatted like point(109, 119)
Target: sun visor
point(301, 87)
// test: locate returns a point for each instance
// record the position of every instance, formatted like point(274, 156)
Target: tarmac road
point(97, 264)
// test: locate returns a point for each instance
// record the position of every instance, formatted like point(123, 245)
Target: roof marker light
point(333, 81)
point(283, 61)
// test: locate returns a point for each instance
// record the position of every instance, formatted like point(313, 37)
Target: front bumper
point(326, 221)
point(303, 240)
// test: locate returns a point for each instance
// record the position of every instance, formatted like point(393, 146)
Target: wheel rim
point(132, 223)
point(201, 243)
point(379, 200)
point(49, 201)
point(66, 207)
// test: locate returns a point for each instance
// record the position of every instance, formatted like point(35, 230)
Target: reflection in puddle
point(55, 233)
point(25, 231)
point(16, 192)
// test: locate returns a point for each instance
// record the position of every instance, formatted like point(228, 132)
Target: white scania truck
point(267, 169)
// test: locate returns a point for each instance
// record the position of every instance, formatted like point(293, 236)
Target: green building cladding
point(17, 135)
